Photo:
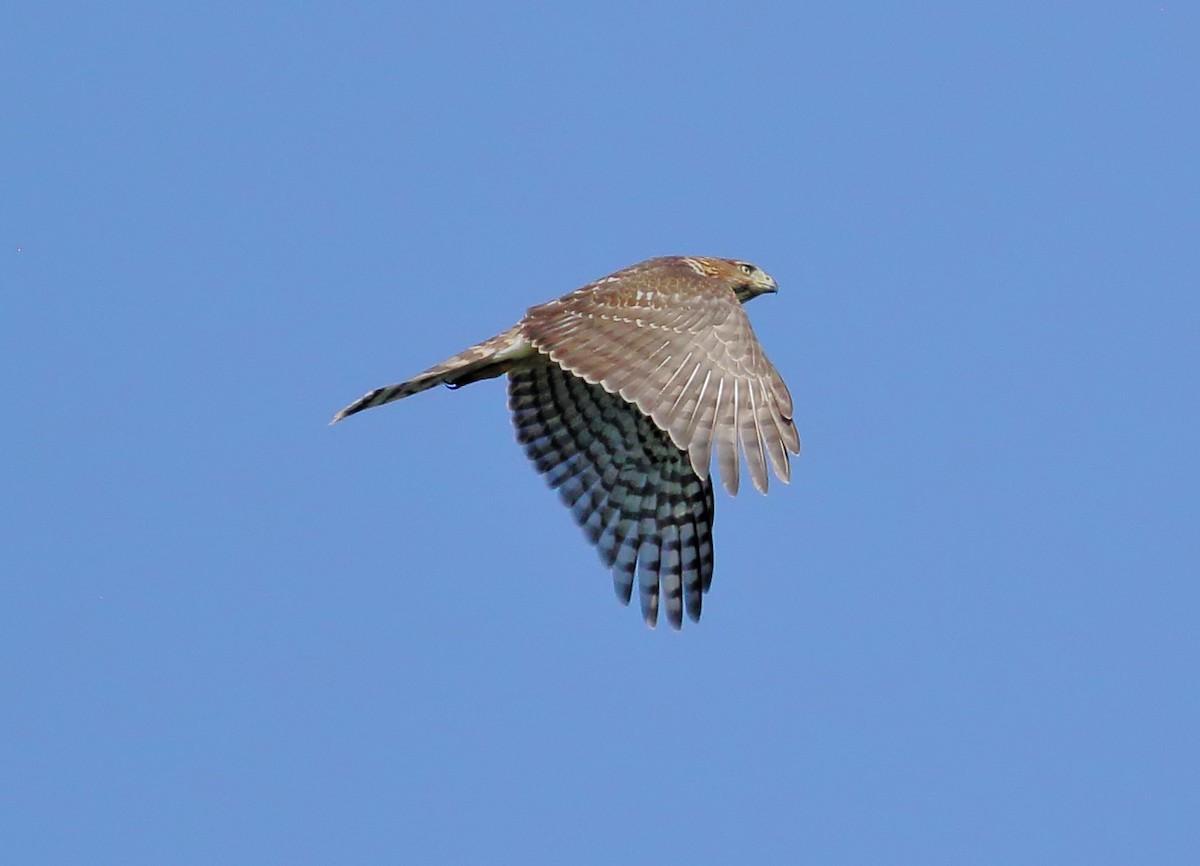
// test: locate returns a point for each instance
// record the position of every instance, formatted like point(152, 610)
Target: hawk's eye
point(746, 269)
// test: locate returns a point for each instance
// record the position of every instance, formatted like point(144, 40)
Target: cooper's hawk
point(619, 392)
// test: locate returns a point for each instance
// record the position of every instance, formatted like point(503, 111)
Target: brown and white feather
point(682, 349)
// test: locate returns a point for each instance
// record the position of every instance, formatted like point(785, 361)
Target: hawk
point(619, 392)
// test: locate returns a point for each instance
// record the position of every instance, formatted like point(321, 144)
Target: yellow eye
point(746, 269)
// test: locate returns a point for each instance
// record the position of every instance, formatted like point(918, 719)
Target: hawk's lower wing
point(628, 485)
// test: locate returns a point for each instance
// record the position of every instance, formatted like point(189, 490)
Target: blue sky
point(965, 633)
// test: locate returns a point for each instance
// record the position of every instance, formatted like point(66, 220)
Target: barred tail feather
point(487, 360)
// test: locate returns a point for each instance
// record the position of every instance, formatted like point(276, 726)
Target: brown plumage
point(620, 391)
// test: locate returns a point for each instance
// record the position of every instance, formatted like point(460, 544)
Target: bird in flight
point(620, 391)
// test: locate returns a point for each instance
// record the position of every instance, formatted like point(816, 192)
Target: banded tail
point(486, 360)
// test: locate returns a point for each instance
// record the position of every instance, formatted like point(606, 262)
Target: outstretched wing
point(632, 490)
point(684, 352)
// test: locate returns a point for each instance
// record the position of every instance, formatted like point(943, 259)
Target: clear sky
point(965, 633)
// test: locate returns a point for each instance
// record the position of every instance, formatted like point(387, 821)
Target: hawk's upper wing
point(687, 357)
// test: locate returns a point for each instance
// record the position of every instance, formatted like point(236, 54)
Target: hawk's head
point(749, 281)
